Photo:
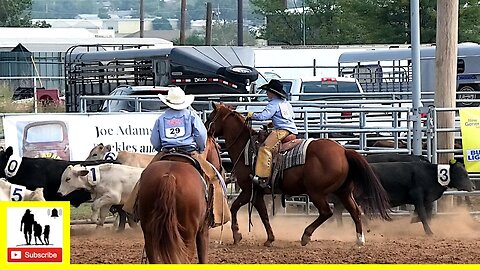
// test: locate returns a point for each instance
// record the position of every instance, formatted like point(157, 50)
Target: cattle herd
point(107, 183)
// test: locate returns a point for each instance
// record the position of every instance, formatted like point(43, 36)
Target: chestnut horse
point(329, 168)
point(172, 208)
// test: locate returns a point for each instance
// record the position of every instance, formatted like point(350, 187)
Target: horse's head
point(217, 120)
point(98, 152)
point(4, 156)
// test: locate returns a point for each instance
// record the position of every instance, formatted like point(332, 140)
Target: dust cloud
point(458, 224)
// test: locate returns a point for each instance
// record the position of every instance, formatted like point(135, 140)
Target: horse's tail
point(372, 196)
point(164, 227)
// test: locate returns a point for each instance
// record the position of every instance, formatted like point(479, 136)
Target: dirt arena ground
point(456, 240)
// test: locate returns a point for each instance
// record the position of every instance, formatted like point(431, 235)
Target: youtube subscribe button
point(21, 255)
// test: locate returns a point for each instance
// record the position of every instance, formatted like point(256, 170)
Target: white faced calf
point(109, 184)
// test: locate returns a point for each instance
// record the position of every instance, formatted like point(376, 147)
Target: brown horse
point(172, 207)
point(171, 232)
point(329, 168)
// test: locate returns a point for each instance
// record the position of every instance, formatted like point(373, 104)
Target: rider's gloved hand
point(249, 115)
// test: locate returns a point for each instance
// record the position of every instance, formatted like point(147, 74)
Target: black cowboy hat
point(276, 87)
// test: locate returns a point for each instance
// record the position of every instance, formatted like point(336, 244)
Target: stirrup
point(260, 181)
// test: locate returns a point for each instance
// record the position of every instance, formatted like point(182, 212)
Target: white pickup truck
point(327, 88)
point(336, 103)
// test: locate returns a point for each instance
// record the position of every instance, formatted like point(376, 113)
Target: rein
point(247, 124)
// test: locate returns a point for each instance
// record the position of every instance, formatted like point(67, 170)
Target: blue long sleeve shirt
point(177, 128)
point(281, 113)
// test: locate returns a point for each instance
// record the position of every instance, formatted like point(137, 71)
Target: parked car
point(44, 96)
point(131, 105)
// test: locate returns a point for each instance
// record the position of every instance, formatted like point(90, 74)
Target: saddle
point(181, 155)
point(278, 155)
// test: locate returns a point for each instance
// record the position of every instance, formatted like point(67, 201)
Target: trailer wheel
point(241, 73)
point(468, 96)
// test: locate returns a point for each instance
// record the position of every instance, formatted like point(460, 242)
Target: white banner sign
point(72, 136)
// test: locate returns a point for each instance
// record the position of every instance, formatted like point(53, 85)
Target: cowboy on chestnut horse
point(280, 111)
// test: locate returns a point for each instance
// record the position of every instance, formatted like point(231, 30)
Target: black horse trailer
point(197, 70)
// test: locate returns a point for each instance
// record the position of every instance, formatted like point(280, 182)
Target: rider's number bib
point(443, 174)
point(285, 110)
point(174, 127)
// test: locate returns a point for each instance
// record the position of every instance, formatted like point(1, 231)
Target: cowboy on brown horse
point(280, 111)
point(182, 130)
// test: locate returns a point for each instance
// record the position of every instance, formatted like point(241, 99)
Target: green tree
point(360, 22)
point(389, 21)
point(469, 21)
point(161, 24)
point(282, 27)
point(103, 13)
point(15, 13)
point(225, 34)
point(195, 39)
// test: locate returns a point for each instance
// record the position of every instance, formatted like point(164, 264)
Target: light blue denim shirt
point(177, 128)
point(281, 113)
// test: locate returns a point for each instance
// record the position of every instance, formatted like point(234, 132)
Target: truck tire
point(468, 88)
point(241, 73)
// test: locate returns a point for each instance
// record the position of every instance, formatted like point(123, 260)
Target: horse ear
point(215, 105)
point(100, 144)
point(109, 147)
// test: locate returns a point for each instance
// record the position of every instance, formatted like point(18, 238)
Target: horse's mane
point(239, 116)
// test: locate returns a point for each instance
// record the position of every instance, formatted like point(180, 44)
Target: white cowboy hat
point(176, 99)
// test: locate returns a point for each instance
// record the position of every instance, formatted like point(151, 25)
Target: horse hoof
point(237, 237)
point(268, 243)
point(305, 240)
point(360, 243)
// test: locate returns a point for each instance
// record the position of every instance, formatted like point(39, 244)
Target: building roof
point(163, 34)
point(62, 44)
point(73, 23)
point(29, 32)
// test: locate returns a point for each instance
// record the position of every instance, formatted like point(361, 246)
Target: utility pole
point(142, 20)
point(446, 72)
point(208, 30)
point(416, 86)
point(240, 22)
point(183, 21)
point(304, 24)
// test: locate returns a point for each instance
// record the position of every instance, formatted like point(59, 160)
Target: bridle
point(211, 131)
